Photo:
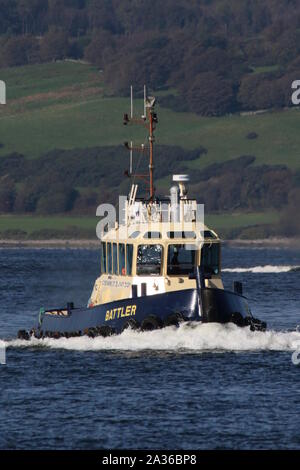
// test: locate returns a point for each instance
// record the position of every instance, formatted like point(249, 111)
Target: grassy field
point(44, 78)
point(238, 220)
point(63, 105)
point(32, 225)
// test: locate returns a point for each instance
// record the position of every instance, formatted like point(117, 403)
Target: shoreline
point(265, 242)
point(51, 243)
point(95, 243)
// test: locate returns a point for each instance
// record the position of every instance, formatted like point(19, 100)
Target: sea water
point(199, 386)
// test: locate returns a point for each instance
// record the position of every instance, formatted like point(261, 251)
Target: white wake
point(194, 337)
point(263, 269)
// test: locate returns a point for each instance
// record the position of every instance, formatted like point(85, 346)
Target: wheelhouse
point(157, 257)
point(156, 248)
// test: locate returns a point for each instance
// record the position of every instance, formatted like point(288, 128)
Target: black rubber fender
point(258, 325)
point(92, 332)
point(237, 318)
point(131, 323)
point(152, 322)
point(105, 331)
point(23, 334)
point(174, 319)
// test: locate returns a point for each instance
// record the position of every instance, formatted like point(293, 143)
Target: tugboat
point(160, 266)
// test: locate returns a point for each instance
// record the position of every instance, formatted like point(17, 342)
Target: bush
point(100, 48)
point(251, 136)
point(13, 234)
point(27, 199)
point(289, 223)
point(19, 50)
point(57, 201)
point(7, 195)
point(209, 95)
point(54, 46)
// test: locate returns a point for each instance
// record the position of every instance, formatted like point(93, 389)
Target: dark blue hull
point(115, 316)
point(147, 313)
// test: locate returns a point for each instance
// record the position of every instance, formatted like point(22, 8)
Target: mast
point(148, 120)
point(151, 166)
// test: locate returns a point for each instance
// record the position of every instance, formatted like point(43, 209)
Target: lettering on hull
point(120, 312)
point(115, 283)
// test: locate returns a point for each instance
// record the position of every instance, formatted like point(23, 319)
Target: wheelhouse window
point(103, 257)
point(152, 235)
point(181, 259)
point(181, 234)
point(149, 259)
point(210, 258)
point(134, 234)
point(207, 234)
point(122, 259)
point(109, 258)
point(115, 258)
point(129, 258)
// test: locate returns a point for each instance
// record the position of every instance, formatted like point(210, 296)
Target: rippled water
point(198, 386)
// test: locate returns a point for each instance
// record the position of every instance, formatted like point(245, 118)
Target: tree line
point(77, 181)
point(214, 56)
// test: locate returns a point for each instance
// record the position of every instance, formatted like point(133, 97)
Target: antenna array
point(149, 120)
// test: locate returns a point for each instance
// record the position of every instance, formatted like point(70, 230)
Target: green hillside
point(27, 227)
point(64, 105)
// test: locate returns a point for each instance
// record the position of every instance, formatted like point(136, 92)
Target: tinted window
point(149, 259)
point(181, 235)
point(207, 234)
point(122, 259)
point(152, 235)
point(129, 256)
point(180, 259)
point(115, 258)
point(109, 258)
point(103, 257)
point(210, 255)
point(134, 234)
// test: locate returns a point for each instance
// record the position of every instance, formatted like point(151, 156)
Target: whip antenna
point(131, 101)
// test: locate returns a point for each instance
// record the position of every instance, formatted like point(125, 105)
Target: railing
point(157, 212)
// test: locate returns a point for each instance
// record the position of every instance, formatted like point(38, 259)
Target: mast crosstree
point(148, 120)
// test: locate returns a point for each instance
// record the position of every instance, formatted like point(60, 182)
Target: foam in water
point(263, 269)
point(195, 337)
